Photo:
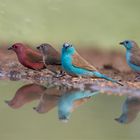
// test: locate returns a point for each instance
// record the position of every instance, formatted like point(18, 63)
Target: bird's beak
point(38, 47)
point(121, 43)
point(7, 102)
point(34, 108)
point(116, 119)
point(10, 48)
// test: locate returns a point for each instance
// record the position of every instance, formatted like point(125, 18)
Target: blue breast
point(133, 66)
point(69, 68)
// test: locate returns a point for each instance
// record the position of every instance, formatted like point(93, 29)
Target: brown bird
point(28, 57)
point(47, 103)
point(51, 59)
point(26, 94)
point(49, 99)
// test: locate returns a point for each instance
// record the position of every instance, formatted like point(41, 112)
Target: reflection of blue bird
point(75, 65)
point(69, 101)
point(130, 110)
point(132, 54)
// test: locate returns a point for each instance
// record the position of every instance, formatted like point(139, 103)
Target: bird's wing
point(34, 57)
point(135, 56)
point(53, 60)
point(78, 61)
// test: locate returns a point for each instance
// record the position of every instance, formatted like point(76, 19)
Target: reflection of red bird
point(28, 57)
point(26, 94)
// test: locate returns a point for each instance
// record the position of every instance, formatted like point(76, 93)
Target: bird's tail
point(98, 74)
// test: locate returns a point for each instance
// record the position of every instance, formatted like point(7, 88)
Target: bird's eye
point(65, 45)
point(126, 42)
point(15, 47)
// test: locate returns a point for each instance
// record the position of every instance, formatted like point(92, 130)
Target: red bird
point(28, 57)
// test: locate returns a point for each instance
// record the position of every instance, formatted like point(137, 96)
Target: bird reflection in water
point(49, 99)
point(66, 99)
point(26, 94)
point(130, 110)
point(71, 100)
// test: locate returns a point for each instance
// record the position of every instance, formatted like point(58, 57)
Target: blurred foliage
point(100, 22)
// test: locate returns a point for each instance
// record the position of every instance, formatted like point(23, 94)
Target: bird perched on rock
point(130, 110)
point(51, 59)
point(28, 57)
point(75, 65)
point(132, 55)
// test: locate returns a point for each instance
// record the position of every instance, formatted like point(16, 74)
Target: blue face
point(127, 44)
point(68, 48)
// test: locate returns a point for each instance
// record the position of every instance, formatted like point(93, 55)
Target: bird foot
point(137, 78)
point(58, 75)
point(121, 84)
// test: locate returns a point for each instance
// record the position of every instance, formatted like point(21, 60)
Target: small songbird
point(70, 101)
point(130, 110)
point(132, 55)
point(46, 103)
point(51, 58)
point(49, 99)
point(26, 94)
point(75, 65)
point(28, 57)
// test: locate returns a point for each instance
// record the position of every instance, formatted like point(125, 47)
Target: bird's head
point(39, 109)
point(128, 44)
point(16, 47)
point(122, 119)
point(68, 48)
point(44, 48)
point(64, 115)
point(13, 104)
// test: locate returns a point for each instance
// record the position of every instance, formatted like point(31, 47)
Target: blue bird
point(71, 100)
point(130, 110)
point(132, 55)
point(75, 65)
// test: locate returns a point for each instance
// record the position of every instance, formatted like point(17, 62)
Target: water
point(34, 113)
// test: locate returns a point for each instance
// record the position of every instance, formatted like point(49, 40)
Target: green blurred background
point(100, 22)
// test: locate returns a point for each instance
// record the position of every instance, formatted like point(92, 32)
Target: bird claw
point(137, 78)
point(120, 83)
point(58, 75)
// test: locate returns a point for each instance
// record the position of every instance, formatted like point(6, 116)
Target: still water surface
point(34, 112)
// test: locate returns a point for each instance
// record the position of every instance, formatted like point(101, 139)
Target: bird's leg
point(60, 74)
point(137, 78)
point(80, 77)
